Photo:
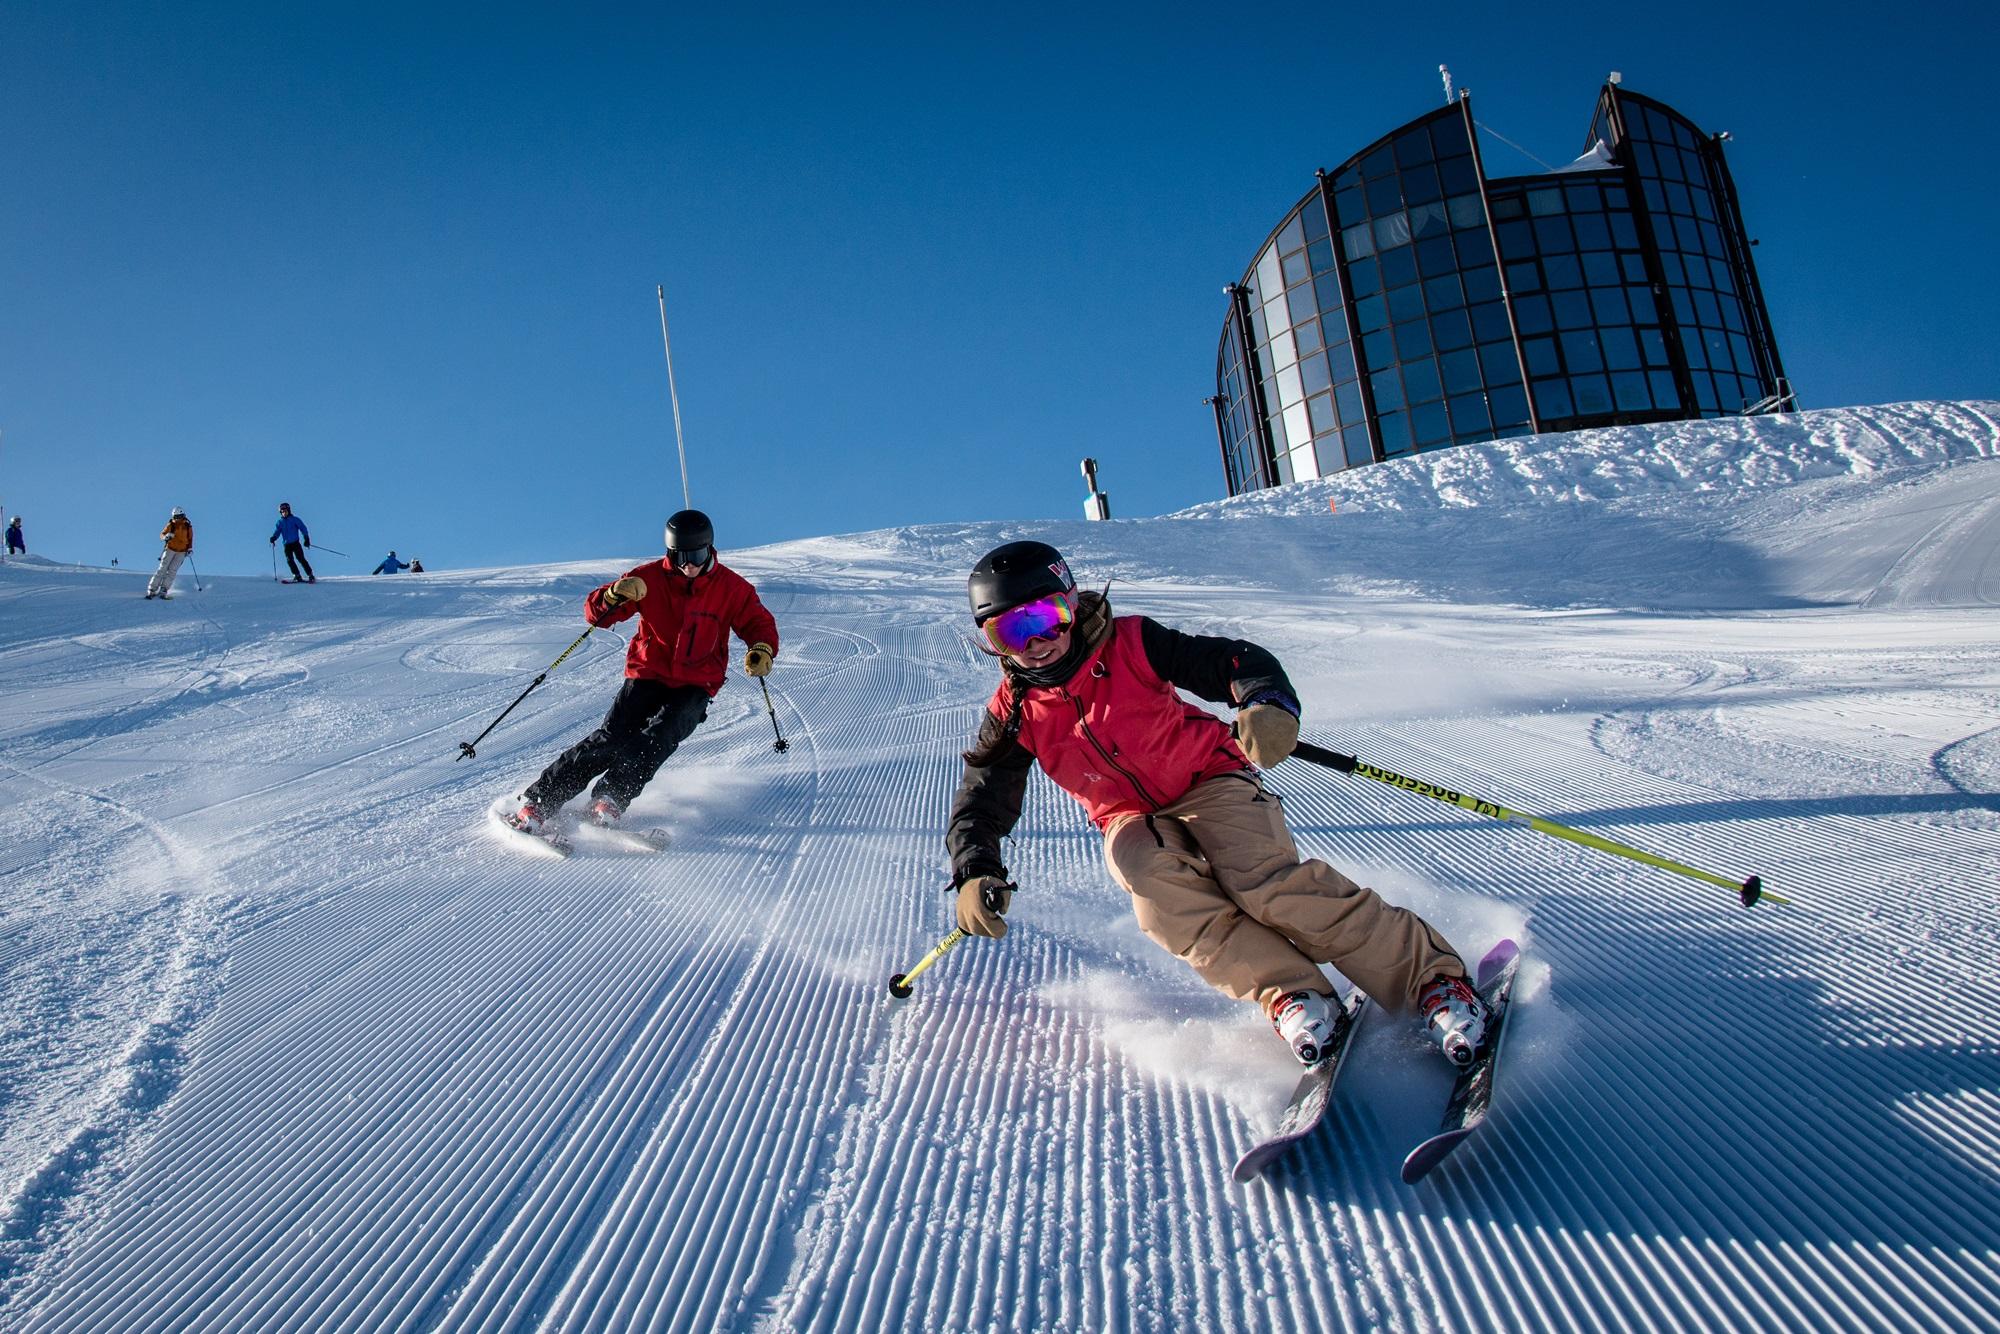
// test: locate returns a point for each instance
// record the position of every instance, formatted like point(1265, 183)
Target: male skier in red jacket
point(687, 603)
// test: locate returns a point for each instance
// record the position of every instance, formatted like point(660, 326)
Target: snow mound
point(1731, 454)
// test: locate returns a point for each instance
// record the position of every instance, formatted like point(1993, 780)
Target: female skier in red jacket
point(1189, 830)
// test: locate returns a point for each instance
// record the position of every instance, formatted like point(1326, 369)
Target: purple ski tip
point(1496, 959)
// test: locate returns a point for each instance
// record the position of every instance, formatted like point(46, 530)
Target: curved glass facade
point(1408, 303)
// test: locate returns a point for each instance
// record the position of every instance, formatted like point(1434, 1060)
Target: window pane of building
point(1572, 310)
point(1320, 409)
point(1499, 364)
point(1420, 381)
point(1490, 321)
point(1465, 211)
point(1270, 278)
point(1282, 352)
point(1509, 405)
point(1395, 434)
point(1552, 400)
point(1533, 315)
point(1421, 185)
point(1540, 354)
point(1628, 388)
point(1592, 394)
point(1451, 329)
point(1581, 351)
point(1388, 388)
point(1355, 442)
point(1429, 424)
point(1443, 293)
point(1468, 415)
point(1406, 303)
point(1621, 348)
point(1347, 398)
point(1461, 371)
point(1314, 375)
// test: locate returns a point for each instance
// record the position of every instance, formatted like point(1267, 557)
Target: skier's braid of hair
point(996, 735)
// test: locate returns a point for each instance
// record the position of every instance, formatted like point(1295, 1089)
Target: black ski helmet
point(689, 529)
point(1015, 573)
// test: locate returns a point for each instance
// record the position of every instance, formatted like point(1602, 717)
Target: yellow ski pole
point(899, 985)
point(1749, 891)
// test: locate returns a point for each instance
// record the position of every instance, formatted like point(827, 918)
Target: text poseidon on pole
point(1749, 891)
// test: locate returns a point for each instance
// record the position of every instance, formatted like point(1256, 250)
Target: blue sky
point(396, 265)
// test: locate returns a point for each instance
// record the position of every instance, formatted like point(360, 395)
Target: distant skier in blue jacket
point(390, 565)
point(297, 539)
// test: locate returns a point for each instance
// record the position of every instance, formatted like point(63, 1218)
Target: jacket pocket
point(701, 642)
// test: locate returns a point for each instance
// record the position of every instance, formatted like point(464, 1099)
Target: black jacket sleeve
point(1227, 671)
point(985, 810)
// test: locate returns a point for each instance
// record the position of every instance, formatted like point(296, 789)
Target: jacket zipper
point(1091, 737)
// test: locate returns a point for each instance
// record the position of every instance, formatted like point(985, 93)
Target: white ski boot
point(1308, 1021)
point(529, 819)
point(1454, 1017)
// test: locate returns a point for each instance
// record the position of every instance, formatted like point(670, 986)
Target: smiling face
point(1042, 652)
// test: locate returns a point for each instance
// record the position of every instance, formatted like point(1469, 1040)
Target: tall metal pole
point(687, 501)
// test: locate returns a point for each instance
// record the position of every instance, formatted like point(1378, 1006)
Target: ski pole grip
point(992, 899)
point(1332, 759)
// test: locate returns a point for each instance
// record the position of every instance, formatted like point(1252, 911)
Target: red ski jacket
point(1118, 737)
point(684, 623)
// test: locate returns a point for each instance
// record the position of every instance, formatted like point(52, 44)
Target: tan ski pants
point(1217, 880)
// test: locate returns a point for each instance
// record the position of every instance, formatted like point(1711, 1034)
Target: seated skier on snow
point(1189, 830)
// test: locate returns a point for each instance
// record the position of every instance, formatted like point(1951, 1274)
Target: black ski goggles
point(685, 556)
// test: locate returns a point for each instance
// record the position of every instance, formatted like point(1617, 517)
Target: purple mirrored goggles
point(1017, 627)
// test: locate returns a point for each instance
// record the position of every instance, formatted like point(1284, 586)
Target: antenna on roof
point(1445, 72)
point(1615, 78)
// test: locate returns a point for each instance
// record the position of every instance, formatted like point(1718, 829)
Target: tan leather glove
point(757, 662)
point(974, 916)
point(1267, 733)
point(629, 589)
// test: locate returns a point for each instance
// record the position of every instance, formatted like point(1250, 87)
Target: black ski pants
point(295, 556)
point(646, 723)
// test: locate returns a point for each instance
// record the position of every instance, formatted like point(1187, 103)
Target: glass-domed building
point(1410, 303)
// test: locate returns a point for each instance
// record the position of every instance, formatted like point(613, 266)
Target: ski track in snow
point(290, 1041)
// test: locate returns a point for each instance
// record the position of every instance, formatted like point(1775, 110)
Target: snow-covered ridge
point(1731, 454)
